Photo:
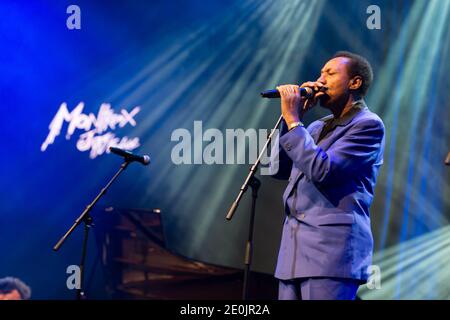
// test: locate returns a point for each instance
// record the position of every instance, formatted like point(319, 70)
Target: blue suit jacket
point(327, 230)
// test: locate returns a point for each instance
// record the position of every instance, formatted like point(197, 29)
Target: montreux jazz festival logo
point(97, 136)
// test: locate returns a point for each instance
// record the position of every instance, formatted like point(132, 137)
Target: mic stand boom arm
point(87, 219)
point(251, 173)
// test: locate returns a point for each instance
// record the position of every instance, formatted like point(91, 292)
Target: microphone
point(130, 157)
point(304, 92)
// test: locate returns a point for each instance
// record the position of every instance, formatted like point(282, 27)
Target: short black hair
point(359, 66)
point(10, 284)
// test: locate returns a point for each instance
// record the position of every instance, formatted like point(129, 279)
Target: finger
point(281, 90)
point(284, 90)
point(319, 84)
point(305, 105)
point(292, 89)
point(308, 84)
point(288, 89)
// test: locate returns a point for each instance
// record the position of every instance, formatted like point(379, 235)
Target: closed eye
point(330, 73)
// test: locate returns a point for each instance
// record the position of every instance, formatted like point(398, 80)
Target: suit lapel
point(328, 141)
point(333, 133)
point(315, 134)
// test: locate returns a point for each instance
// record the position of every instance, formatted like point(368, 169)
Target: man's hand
point(291, 102)
point(293, 106)
point(311, 103)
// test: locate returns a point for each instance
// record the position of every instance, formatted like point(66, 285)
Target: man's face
point(335, 77)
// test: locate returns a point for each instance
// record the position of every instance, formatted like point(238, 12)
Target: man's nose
point(321, 80)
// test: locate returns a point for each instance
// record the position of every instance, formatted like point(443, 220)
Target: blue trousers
point(318, 289)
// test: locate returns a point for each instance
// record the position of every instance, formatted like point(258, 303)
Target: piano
point(138, 265)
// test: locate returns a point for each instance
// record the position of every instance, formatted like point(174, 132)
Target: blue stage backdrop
point(149, 75)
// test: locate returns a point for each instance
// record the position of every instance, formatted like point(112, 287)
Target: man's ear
point(355, 83)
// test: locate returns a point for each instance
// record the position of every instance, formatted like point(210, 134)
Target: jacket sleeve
point(280, 163)
point(357, 149)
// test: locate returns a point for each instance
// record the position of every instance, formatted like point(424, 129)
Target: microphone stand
point(86, 218)
point(254, 183)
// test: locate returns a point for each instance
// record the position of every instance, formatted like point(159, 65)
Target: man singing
point(332, 165)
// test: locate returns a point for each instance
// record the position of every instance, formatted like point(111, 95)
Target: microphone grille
point(146, 160)
point(307, 92)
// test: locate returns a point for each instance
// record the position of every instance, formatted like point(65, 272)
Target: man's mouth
point(322, 92)
point(321, 95)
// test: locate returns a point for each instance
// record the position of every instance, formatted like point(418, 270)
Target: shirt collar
point(357, 106)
